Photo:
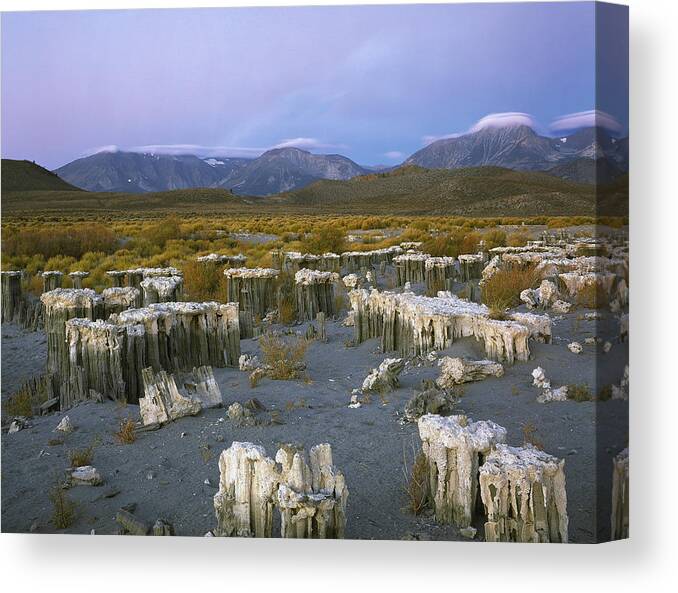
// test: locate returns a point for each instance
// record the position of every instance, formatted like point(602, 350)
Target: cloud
point(216, 151)
point(492, 120)
point(308, 144)
point(586, 119)
point(504, 120)
point(395, 155)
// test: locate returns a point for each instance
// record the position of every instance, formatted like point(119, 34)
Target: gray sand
point(164, 472)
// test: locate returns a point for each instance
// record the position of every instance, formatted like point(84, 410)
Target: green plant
point(327, 238)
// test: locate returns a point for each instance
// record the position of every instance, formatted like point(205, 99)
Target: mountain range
point(588, 155)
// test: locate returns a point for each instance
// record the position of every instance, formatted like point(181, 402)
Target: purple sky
point(372, 82)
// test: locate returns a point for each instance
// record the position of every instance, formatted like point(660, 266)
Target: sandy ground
point(169, 474)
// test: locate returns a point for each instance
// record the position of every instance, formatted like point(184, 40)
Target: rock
point(620, 496)
point(454, 484)
point(247, 483)
point(384, 378)
point(240, 416)
point(590, 340)
point(248, 362)
point(454, 371)
point(315, 293)
point(548, 394)
point(163, 401)
point(18, 423)
point(561, 307)
point(539, 513)
point(431, 400)
point(85, 475)
point(575, 347)
point(607, 346)
point(65, 425)
point(162, 527)
point(312, 494)
point(622, 390)
point(131, 524)
point(415, 325)
point(468, 532)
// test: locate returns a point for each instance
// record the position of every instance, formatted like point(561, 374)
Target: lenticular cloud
point(586, 119)
point(504, 120)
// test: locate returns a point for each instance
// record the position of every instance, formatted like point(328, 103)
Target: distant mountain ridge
point(276, 170)
point(587, 155)
point(520, 148)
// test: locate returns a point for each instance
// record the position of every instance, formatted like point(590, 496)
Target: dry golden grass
point(63, 509)
point(502, 290)
point(579, 393)
point(80, 457)
point(204, 282)
point(517, 239)
point(19, 404)
point(284, 359)
point(126, 435)
point(530, 435)
point(416, 482)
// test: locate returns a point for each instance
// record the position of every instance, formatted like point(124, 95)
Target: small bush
point(80, 457)
point(19, 404)
point(283, 359)
point(417, 483)
point(605, 393)
point(163, 231)
point(204, 282)
point(328, 238)
point(126, 435)
point(63, 509)
point(494, 238)
point(579, 393)
point(517, 239)
point(502, 290)
point(287, 304)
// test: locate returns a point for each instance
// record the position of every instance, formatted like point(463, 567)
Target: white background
point(646, 562)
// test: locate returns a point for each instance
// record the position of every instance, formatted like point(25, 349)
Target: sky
point(375, 83)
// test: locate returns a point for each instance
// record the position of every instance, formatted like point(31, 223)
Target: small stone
point(85, 475)
point(65, 425)
point(183, 434)
point(575, 347)
point(590, 340)
point(468, 532)
point(607, 346)
point(207, 482)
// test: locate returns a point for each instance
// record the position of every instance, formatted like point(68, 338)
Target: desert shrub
point(203, 282)
point(126, 434)
point(52, 240)
point(80, 457)
point(502, 290)
point(530, 435)
point(327, 238)
point(284, 359)
point(417, 483)
point(19, 404)
point(163, 230)
point(63, 509)
point(579, 393)
point(517, 239)
point(494, 238)
point(287, 304)
point(605, 393)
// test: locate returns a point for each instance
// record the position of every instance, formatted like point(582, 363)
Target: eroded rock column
point(523, 491)
point(454, 447)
